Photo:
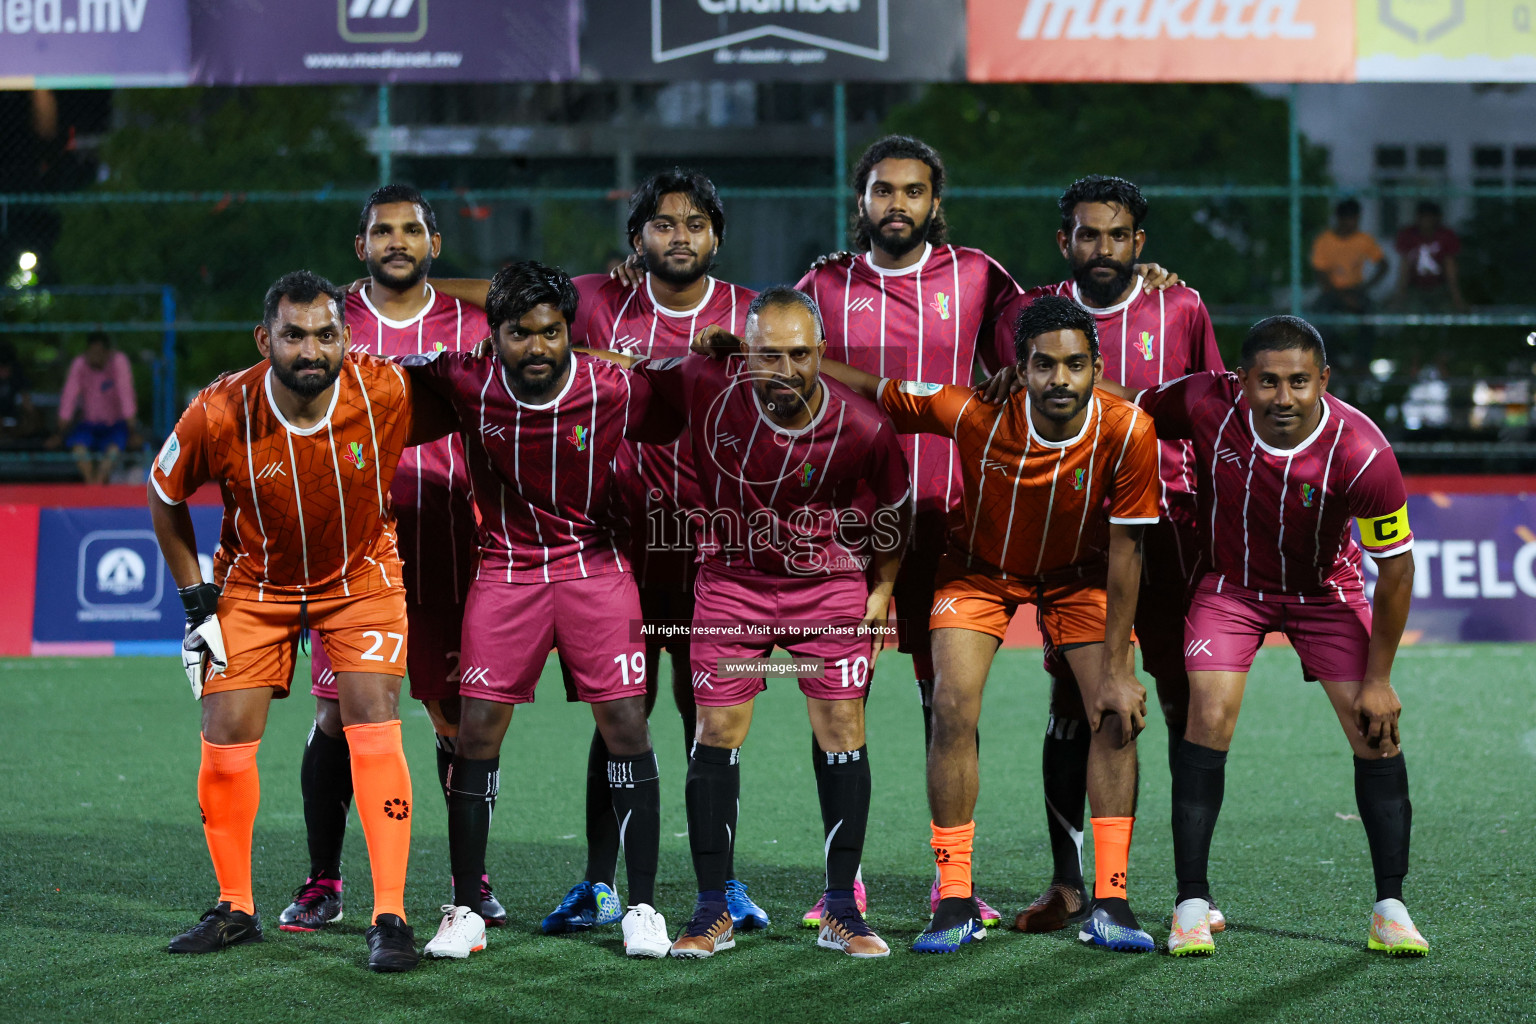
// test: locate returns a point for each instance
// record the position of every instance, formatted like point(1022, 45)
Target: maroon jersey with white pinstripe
point(541, 476)
point(1277, 520)
point(1145, 341)
point(784, 502)
point(431, 490)
point(657, 480)
point(921, 323)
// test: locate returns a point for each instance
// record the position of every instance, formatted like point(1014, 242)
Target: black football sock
point(472, 786)
point(1381, 794)
point(1064, 773)
point(636, 801)
point(843, 784)
point(682, 696)
point(446, 746)
point(325, 779)
point(712, 793)
point(602, 826)
point(1199, 782)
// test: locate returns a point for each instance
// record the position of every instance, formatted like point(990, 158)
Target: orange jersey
point(306, 511)
point(1036, 509)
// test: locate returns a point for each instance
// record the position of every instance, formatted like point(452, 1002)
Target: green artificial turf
point(102, 860)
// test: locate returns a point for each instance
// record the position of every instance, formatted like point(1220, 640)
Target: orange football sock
point(381, 786)
point(952, 854)
point(228, 793)
point(1111, 855)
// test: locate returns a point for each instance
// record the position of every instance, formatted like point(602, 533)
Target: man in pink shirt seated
point(97, 408)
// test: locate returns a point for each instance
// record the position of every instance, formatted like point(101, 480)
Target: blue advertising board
point(101, 577)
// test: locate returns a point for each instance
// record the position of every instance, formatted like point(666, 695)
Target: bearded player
point(653, 306)
point(806, 490)
point(911, 306)
point(397, 313)
point(304, 447)
point(676, 226)
point(542, 427)
point(1284, 467)
point(1058, 485)
point(1145, 338)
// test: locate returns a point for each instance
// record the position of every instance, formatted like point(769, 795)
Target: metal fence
point(1474, 363)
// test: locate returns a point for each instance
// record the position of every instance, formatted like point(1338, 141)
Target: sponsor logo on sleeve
point(169, 453)
point(920, 388)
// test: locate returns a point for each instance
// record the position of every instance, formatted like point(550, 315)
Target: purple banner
point(246, 42)
point(1474, 567)
point(62, 43)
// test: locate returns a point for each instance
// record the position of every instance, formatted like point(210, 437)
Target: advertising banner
point(47, 44)
point(1474, 561)
point(785, 40)
point(1160, 40)
point(246, 42)
point(102, 582)
point(1445, 40)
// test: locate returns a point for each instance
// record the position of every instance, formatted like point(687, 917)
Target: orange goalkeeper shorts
point(365, 633)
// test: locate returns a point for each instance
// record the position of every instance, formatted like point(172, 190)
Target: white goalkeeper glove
point(202, 648)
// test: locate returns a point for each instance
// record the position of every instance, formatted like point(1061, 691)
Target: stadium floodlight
point(27, 261)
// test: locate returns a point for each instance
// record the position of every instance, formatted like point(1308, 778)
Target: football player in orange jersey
point(303, 446)
point(1040, 474)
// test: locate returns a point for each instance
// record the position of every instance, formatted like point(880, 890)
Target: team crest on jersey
point(1308, 492)
point(354, 455)
point(805, 473)
point(1077, 480)
point(580, 435)
point(940, 305)
point(1144, 344)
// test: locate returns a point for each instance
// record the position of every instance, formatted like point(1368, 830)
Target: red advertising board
point(1160, 40)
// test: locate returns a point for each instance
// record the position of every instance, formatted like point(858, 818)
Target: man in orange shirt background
point(1060, 481)
point(304, 447)
point(1339, 256)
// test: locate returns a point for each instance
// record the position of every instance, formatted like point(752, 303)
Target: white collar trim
point(1286, 453)
point(1118, 307)
point(826, 400)
point(570, 379)
point(1093, 411)
point(398, 324)
point(709, 292)
point(869, 261)
point(324, 420)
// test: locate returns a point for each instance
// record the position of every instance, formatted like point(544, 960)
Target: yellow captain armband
point(1385, 532)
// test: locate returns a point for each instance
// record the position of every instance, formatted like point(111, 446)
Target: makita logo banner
point(1171, 19)
point(906, 40)
point(1160, 40)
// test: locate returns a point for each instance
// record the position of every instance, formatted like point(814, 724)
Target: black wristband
point(201, 600)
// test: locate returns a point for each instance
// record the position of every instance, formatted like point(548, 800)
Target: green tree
point(219, 256)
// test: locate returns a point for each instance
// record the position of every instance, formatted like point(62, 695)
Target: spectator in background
point(1428, 279)
point(98, 411)
point(16, 412)
point(1340, 255)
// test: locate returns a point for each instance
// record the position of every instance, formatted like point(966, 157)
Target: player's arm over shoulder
point(1174, 405)
point(918, 407)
